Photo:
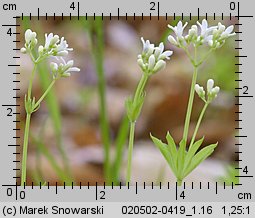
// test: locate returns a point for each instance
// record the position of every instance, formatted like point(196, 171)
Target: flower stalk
point(53, 47)
point(151, 60)
point(181, 160)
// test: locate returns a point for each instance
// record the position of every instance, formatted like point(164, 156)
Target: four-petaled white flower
point(205, 30)
point(178, 30)
point(152, 58)
point(63, 69)
point(62, 48)
point(50, 41)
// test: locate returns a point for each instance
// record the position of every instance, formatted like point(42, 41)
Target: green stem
point(198, 124)
point(141, 86)
point(130, 151)
point(179, 182)
point(190, 104)
point(26, 132)
point(139, 91)
point(45, 93)
point(25, 146)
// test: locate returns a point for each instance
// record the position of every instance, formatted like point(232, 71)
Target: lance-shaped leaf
point(200, 157)
point(172, 148)
point(192, 151)
point(181, 158)
point(165, 152)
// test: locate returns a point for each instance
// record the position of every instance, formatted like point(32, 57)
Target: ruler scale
point(198, 199)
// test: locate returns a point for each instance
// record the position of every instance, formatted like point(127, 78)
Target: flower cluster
point(211, 94)
point(54, 46)
point(213, 36)
point(153, 58)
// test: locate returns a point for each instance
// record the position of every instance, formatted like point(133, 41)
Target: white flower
point(178, 30)
point(146, 45)
point(152, 58)
point(62, 48)
point(63, 69)
point(228, 32)
point(50, 40)
point(205, 30)
point(219, 35)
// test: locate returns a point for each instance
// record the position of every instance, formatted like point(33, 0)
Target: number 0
point(232, 6)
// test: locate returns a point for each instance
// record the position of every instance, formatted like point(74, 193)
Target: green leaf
point(181, 158)
point(192, 151)
point(200, 157)
point(164, 151)
point(172, 148)
point(120, 142)
point(52, 160)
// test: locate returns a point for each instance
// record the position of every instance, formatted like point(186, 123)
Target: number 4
point(245, 169)
point(72, 6)
point(182, 195)
point(9, 32)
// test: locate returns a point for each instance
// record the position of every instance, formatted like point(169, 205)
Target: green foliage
point(183, 162)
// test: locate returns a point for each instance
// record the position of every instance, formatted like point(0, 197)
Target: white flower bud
point(172, 40)
point(200, 91)
point(210, 43)
point(215, 90)
point(140, 63)
point(66, 75)
point(23, 50)
point(150, 50)
point(53, 67)
point(151, 62)
point(221, 27)
point(157, 52)
point(30, 38)
point(40, 49)
point(159, 66)
point(197, 88)
point(210, 84)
